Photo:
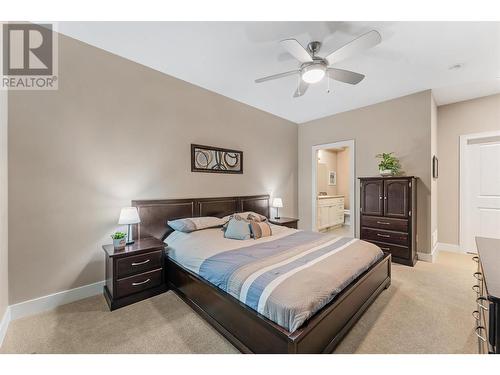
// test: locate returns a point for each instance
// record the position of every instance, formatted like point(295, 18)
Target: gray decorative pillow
point(238, 229)
point(192, 224)
point(233, 216)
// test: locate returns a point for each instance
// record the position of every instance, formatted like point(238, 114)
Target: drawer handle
point(475, 259)
point(140, 263)
point(480, 304)
point(475, 315)
point(385, 248)
point(478, 334)
point(383, 222)
point(476, 288)
point(142, 282)
point(478, 276)
point(383, 235)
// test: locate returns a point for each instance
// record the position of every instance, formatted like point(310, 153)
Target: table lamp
point(278, 203)
point(129, 216)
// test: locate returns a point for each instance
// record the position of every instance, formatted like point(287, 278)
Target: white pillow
point(192, 224)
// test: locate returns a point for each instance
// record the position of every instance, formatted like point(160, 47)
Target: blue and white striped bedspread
point(289, 279)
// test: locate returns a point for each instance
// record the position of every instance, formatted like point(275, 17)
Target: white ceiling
point(226, 57)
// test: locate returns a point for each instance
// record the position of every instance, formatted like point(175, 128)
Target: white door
point(482, 189)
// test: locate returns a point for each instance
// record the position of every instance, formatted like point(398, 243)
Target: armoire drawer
point(395, 250)
point(400, 225)
point(387, 236)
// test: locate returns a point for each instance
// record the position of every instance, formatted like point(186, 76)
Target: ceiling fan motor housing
point(314, 47)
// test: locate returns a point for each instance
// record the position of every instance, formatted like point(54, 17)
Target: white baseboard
point(4, 324)
point(426, 257)
point(51, 301)
point(440, 246)
point(449, 247)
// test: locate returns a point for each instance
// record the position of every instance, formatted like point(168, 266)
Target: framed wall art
point(332, 178)
point(211, 159)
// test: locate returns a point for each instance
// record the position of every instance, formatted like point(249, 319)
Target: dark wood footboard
point(251, 332)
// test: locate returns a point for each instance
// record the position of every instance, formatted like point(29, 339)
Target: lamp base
point(130, 241)
point(277, 217)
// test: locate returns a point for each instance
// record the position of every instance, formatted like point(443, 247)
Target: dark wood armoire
point(389, 215)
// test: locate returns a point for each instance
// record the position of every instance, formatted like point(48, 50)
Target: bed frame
point(246, 329)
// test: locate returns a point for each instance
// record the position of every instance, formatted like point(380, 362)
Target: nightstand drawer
point(137, 264)
point(138, 283)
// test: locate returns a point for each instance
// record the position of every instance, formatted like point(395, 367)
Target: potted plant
point(119, 241)
point(389, 164)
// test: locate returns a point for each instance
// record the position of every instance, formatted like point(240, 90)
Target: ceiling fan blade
point(346, 76)
point(301, 90)
point(296, 50)
point(276, 76)
point(365, 41)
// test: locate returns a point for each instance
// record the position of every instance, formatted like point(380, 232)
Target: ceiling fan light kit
point(313, 73)
point(314, 68)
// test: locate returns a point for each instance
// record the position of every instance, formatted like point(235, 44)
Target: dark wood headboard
point(155, 213)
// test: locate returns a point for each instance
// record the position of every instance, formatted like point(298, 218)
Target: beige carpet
point(427, 309)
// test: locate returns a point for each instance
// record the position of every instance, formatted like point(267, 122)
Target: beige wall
point(4, 273)
point(434, 181)
point(113, 132)
point(327, 161)
point(401, 125)
point(468, 117)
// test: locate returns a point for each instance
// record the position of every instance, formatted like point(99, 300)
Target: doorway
point(479, 188)
point(333, 183)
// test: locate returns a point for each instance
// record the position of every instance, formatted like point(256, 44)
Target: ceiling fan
point(313, 68)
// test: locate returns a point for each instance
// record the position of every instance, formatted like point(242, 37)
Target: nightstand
point(289, 222)
point(134, 273)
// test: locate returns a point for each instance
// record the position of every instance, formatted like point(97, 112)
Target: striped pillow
point(260, 229)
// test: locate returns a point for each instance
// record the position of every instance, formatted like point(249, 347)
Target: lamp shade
point(129, 215)
point(277, 202)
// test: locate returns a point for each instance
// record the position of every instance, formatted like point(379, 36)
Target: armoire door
point(396, 198)
point(371, 197)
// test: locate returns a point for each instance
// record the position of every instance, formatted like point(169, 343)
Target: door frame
point(462, 212)
point(351, 144)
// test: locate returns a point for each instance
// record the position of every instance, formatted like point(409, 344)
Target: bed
point(200, 264)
